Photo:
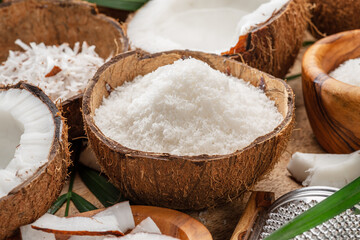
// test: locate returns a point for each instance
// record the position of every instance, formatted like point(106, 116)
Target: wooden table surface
point(221, 221)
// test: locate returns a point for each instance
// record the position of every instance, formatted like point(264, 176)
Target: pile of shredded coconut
point(348, 72)
point(186, 108)
point(61, 72)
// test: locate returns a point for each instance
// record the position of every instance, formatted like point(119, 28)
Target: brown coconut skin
point(30, 200)
point(184, 182)
point(55, 22)
point(333, 16)
point(272, 46)
point(332, 106)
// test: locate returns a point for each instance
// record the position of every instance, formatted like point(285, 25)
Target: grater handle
point(258, 202)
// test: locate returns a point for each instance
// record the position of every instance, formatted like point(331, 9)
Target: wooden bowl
point(333, 107)
point(184, 182)
point(55, 22)
point(170, 222)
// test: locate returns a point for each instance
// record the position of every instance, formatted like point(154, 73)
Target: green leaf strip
point(128, 5)
point(81, 203)
point(71, 184)
point(58, 204)
point(291, 77)
point(332, 206)
point(103, 190)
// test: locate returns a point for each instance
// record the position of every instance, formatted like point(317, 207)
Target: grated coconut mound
point(186, 108)
point(61, 72)
point(348, 72)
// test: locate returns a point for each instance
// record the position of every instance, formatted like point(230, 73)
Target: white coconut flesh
point(147, 225)
point(26, 131)
point(186, 108)
point(204, 25)
point(333, 170)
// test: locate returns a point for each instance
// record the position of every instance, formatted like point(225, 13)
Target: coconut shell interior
point(30, 200)
point(54, 22)
point(185, 182)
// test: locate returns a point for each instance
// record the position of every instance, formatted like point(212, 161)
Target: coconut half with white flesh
point(34, 155)
point(266, 34)
point(56, 22)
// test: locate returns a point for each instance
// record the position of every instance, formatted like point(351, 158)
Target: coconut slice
point(333, 170)
point(99, 225)
point(34, 155)
point(28, 233)
point(144, 236)
point(88, 158)
point(147, 226)
point(253, 29)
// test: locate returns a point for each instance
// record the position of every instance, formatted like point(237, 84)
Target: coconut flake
point(147, 226)
point(26, 133)
point(186, 108)
point(348, 72)
point(204, 25)
point(28, 233)
point(61, 72)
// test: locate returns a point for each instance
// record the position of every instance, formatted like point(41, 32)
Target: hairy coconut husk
point(334, 16)
point(184, 182)
point(30, 200)
point(55, 22)
point(272, 46)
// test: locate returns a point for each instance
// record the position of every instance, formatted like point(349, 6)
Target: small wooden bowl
point(184, 182)
point(333, 107)
point(54, 22)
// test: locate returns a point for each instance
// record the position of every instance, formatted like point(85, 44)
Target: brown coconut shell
point(333, 16)
point(55, 22)
point(30, 200)
point(272, 46)
point(184, 182)
point(332, 106)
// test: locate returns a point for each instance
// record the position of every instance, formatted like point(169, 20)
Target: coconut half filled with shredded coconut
point(257, 28)
point(58, 47)
point(33, 158)
point(193, 136)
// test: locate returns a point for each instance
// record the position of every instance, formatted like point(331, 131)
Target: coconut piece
point(54, 22)
point(144, 236)
point(99, 225)
point(34, 158)
point(147, 226)
point(28, 233)
point(333, 170)
point(184, 182)
point(123, 214)
point(88, 158)
point(334, 16)
point(267, 34)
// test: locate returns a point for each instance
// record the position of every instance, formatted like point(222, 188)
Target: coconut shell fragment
point(33, 198)
point(334, 16)
point(185, 182)
point(54, 23)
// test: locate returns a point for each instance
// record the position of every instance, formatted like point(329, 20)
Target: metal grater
point(292, 204)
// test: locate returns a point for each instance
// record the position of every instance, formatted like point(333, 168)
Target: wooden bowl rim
point(117, 147)
point(186, 224)
point(317, 75)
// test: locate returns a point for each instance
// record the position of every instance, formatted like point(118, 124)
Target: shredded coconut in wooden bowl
point(187, 108)
point(348, 72)
point(60, 71)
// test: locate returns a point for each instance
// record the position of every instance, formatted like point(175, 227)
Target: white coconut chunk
point(78, 225)
point(26, 135)
point(37, 60)
point(28, 233)
point(77, 237)
point(204, 25)
point(333, 170)
point(348, 72)
point(88, 158)
point(123, 214)
point(144, 236)
point(187, 108)
point(147, 225)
